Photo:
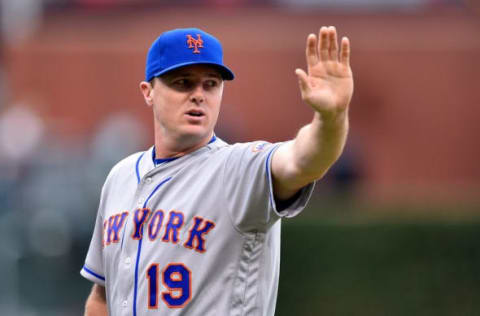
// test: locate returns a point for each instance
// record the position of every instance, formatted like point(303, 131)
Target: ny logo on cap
point(194, 43)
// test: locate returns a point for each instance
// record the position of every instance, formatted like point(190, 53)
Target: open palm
point(328, 86)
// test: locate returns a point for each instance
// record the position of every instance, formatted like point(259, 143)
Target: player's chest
point(180, 213)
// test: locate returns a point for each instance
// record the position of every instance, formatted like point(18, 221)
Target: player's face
point(186, 103)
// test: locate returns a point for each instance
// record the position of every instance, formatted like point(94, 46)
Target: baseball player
point(191, 226)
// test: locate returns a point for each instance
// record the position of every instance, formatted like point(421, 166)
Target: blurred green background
point(380, 268)
point(391, 230)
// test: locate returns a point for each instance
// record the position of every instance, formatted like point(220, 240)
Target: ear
point(147, 91)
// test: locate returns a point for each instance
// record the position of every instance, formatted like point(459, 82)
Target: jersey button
point(140, 201)
point(148, 180)
point(128, 261)
point(124, 303)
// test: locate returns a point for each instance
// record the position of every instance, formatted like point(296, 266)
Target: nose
point(197, 95)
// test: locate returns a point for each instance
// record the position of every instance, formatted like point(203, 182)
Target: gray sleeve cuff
point(300, 202)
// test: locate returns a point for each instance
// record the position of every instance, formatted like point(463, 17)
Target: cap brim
point(225, 72)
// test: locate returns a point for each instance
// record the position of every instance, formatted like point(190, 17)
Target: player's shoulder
point(244, 152)
point(252, 147)
point(125, 166)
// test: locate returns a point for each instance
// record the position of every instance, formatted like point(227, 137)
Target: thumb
point(302, 80)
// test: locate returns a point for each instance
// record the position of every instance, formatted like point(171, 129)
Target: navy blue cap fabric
point(183, 47)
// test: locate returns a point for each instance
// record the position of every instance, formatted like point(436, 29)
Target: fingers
point(302, 80)
point(332, 37)
point(345, 52)
point(311, 52)
point(325, 49)
point(323, 44)
point(327, 44)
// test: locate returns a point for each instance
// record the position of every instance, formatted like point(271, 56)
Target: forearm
point(318, 145)
point(96, 304)
point(308, 157)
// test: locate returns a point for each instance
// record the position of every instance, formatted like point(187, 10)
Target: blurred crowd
point(49, 190)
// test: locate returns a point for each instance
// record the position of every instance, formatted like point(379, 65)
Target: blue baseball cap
point(182, 47)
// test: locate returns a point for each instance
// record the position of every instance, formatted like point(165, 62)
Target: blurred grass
point(343, 262)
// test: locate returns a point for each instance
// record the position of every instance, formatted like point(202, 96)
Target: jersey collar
point(158, 161)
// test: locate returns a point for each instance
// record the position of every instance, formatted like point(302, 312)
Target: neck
point(170, 148)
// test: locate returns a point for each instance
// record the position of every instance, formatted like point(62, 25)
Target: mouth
point(195, 113)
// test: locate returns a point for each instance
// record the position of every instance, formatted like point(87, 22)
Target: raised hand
point(328, 86)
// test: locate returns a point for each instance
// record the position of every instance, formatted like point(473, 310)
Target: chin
point(196, 133)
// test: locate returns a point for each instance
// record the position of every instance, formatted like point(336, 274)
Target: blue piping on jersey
point(140, 248)
point(156, 162)
point(136, 167)
point(138, 182)
point(267, 166)
point(214, 138)
point(123, 238)
point(93, 273)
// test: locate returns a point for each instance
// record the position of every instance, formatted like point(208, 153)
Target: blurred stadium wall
point(391, 230)
point(414, 113)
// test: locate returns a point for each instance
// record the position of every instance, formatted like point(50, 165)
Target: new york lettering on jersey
point(154, 222)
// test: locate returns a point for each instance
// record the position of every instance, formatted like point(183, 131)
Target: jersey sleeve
point(93, 268)
point(249, 190)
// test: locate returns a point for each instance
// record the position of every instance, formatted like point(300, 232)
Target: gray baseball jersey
point(198, 235)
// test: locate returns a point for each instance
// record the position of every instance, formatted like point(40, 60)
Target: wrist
point(334, 120)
